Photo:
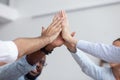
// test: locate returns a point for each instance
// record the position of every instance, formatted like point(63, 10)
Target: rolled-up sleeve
point(8, 51)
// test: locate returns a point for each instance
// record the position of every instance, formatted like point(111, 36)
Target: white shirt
point(108, 53)
point(8, 51)
point(91, 69)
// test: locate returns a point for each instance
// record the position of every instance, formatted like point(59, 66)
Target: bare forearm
point(29, 45)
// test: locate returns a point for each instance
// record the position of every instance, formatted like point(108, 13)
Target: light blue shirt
point(89, 68)
point(14, 70)
point(108, 53)
point(22, 78)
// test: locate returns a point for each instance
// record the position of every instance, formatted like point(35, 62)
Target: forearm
point(108, 53)
point(87, 66)
point(36, 56)
point(14, 70)
point(30, 45)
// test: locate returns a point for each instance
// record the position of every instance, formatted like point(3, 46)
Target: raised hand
point(70, 42)
point(65, 27)
point(58, 42)
point(53, 29)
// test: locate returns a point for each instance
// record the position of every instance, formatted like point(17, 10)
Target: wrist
point(71, 45)
point(50, 47)
point(46, 50)
point(71, 40)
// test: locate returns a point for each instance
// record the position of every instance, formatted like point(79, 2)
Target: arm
point(22, 66)
point(24, 46)
point(14, 70)
point(105, 52)
point(87, 66)
point(108, 53)
point(26, 64)
point(30, 45)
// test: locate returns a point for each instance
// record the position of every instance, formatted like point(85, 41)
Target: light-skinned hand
point(53, 29)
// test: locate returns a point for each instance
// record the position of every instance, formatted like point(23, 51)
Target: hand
point(53, 29)
point(59, 42)
point(70, 42)
point(56, 43)
point(65, 26)
point(71, 46)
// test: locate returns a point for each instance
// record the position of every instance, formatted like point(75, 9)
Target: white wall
point(41, 7)
point(96, 25)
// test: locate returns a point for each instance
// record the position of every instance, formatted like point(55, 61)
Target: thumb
point(73, 34)
point(43, 29)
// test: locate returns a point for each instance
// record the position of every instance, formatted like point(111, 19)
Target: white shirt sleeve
point(108, 53)
point(8, 51)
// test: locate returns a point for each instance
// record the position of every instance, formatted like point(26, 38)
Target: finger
point(73, 34)
point(53, 22)
point(55, 17)
point(43, 29)
point(64, 13)
point(57, 32)
point(57, 22)
point(57, 29)
point(61, 14)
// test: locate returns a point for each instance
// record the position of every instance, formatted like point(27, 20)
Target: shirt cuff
point(81, 44)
